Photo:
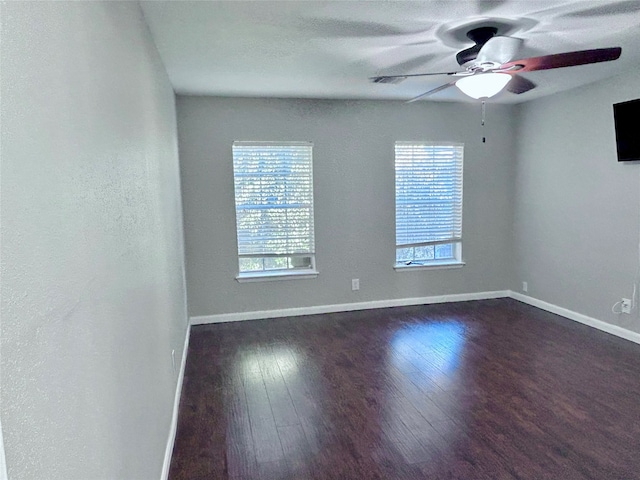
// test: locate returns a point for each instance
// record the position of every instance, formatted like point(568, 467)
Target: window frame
point(291, 271)
point(456, 260)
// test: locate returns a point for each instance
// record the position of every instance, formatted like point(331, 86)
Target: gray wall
point(577, 209)
point(354, 198)
point(93, 297)
point(3, 464)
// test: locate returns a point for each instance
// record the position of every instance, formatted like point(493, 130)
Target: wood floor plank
point(266, 443)
point(490, 389)
point(284, 412)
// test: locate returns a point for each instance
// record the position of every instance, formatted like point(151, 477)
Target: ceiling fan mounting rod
point(479, 36)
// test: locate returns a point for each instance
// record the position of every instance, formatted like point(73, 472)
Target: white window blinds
point(428, 193)
point(274, 198)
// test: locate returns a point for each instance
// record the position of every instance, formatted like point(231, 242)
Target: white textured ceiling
point(329, 49)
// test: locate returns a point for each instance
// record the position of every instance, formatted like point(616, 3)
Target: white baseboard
point(345, 307)
point(176, 406)
point(578, 317)
point(400, 302)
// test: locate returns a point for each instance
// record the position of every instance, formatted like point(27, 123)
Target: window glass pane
point(444, 251)
point(424, 253)
point(275, 263)
point(404, 255)
point(250, 264)
point(299, 262)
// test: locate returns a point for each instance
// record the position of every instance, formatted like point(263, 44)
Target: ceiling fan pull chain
point(484, 139)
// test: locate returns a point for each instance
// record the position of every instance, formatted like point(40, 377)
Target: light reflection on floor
point(424, 360)
point(279, 358)
point(433, 348)
point(260, 379)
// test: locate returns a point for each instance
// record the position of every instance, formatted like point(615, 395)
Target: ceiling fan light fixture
point(483, 85)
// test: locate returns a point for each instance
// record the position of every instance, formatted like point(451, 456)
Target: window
point(274, 208)
point(428, 204)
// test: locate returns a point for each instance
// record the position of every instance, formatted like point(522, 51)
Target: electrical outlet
point(355, 284)
point(626, 305)
point(525, 287)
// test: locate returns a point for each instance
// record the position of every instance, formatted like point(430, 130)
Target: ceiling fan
point(489, 66)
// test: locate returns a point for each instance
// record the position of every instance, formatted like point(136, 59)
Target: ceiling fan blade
point(499, 50)
point(560, 60)
point(431, 92)
point(520, 85)
point(399, 78)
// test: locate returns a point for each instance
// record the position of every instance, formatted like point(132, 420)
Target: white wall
point(577, 212)
point(354, 198)
point(93, 298)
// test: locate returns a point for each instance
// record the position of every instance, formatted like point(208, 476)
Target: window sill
point(431, 266)
point(275, 276)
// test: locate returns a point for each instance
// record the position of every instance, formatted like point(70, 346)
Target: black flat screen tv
point(627, 119)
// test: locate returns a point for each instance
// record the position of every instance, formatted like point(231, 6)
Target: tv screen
point(627, 119)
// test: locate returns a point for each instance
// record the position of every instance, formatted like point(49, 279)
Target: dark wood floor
point(490, 389)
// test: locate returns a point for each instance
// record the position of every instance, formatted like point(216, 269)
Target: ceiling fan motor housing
point(480, 36)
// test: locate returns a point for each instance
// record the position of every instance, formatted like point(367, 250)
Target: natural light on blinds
point(428, 193)
point(274, 198)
